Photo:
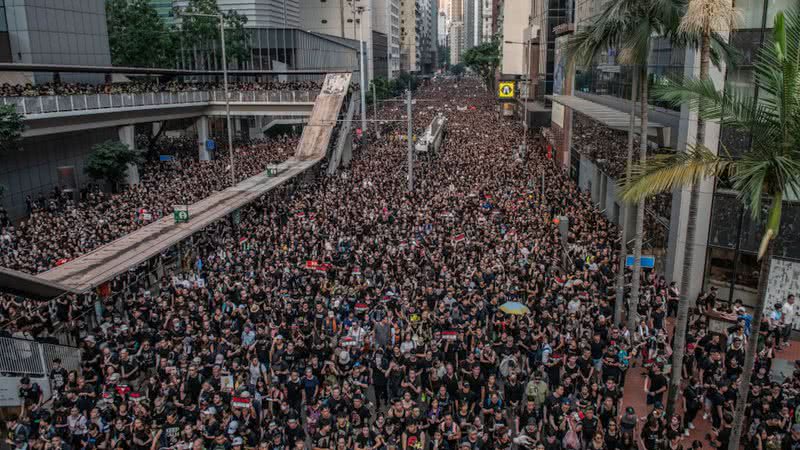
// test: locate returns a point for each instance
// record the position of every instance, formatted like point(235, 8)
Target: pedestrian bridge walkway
point(104, 263)
point(53, 114)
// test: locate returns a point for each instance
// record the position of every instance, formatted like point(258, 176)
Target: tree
point(458, 70)
point(444, 56)
point(484, 60)
point(109, 161)
point(404, 81)
point(11, 126)
point(138, 37)
point(631, 25)
point(702, 17)
point(383, 89)
point(763, 176)
point(203, 33)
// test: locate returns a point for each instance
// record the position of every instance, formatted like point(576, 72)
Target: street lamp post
point(361, 47)
point(221, 19)
point(524, 146)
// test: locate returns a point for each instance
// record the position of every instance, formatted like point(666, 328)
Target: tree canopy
point(484, 60)
point(109, 161)
point(11, 127)
point(138, 37)
point(203, 32)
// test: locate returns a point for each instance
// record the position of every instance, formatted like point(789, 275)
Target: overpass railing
point(46, 104)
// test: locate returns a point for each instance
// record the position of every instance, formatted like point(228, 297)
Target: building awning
point(612, 118)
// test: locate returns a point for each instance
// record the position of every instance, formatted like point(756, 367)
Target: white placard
point(784, 279)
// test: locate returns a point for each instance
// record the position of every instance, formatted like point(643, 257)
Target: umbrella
point(514, 308)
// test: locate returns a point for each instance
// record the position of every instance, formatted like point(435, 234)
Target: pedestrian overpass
point(53, 114)
point(108, 261)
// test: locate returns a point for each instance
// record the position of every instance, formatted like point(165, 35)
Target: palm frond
point(733, 107)
point(663, 173)
point(706, 16)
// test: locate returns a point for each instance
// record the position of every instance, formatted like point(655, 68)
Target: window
point(323, 20)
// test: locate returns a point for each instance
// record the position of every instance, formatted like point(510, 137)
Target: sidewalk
point(634, 391)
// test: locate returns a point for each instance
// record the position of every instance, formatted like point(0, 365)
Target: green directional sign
point(272, 171)
point(181, 215)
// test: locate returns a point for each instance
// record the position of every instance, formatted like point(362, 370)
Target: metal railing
point(18, 356)
point(35, 359)
point(46, 104)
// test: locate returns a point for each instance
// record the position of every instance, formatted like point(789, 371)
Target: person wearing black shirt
point(655, 385)
point(294, 391)
point(652, 435)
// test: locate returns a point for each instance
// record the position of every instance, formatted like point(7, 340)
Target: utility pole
point(361, 48)
point(221, 19)
point(227, 98)
point(375, 109)
point(410, 144)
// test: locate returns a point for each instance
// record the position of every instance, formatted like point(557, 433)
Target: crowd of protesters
point(147, 86)
point(59, 228)
point(350, 313)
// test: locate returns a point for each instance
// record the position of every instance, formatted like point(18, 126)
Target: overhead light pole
point(361, 47)
point(221, 19)
point(524, 146)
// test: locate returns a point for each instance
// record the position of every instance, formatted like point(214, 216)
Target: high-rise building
point(456, 40)
point(351, 19)
point(471, 25)
point(516, 15)
point(71, 33)
point(410, 35)
point(487, 20)
point(433, 41)
point(386, 20)
point(443, 27)
point(456, 30)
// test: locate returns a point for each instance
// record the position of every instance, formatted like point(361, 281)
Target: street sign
point(210, 144)
point(648, 262)
point(181, 214)
point(272, 171)
point(505, 89)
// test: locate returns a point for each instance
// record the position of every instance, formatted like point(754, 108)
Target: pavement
point(634, 395)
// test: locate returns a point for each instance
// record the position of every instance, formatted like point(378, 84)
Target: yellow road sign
point(505, 89)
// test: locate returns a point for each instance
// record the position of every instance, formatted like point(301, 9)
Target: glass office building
point(731, 262)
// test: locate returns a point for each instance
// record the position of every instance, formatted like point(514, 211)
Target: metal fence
point(35, 359)
point(83, 102)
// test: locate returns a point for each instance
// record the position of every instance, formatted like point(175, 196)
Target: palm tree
point(763, 176)
point(630, 24)
point(702, 17)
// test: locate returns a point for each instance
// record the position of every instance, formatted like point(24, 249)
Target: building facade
point(516, 15)
point(386, 20)
point(727, 238)
point(443, 24)
point(410, 35)
point(52, 32)
point(259, 13)
point(348, 20)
